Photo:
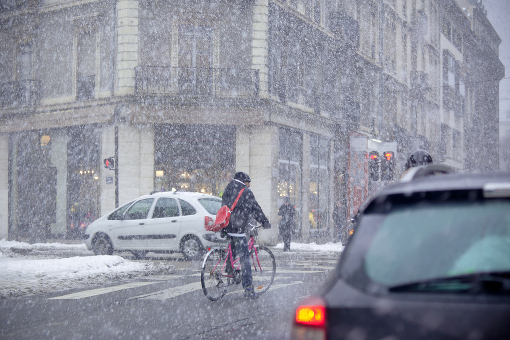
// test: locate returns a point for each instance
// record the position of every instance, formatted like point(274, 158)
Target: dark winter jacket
point(246, 206)
point(286, 211)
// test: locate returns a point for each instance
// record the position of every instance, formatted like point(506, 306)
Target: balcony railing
point(20, 93)
point(195, 81)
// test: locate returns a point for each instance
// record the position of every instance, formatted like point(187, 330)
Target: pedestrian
point(246, 208)
point(337, 219)
point(286, 211)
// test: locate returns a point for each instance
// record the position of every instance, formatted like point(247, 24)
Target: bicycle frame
point(251, 243)
point(214, 269)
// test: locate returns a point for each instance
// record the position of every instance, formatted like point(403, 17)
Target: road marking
point(171, 292)
point(167, 293)
point(100, 291)
point(315, 267)
point(288, 271)
point(273, 287)
point(191, 287)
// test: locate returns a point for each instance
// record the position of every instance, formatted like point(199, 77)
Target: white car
point(161, 222)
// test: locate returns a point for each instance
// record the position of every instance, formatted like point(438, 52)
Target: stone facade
point(296, 93)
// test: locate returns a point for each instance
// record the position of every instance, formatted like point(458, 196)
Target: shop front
point(196, 158)
point(53, 187)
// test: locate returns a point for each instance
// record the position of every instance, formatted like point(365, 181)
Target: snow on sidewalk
point(25, 275)
point(27, 269)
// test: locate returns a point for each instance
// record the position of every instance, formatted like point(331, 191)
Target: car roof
point(178, 194)
point(447, 182)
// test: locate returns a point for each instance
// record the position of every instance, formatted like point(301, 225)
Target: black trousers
point(286, 236)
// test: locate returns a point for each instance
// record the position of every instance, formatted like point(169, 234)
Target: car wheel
point(102, 245)
point(139, 254)
point(191, 248)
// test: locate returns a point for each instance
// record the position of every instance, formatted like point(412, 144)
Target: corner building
point(296, 93)
point(180, 95)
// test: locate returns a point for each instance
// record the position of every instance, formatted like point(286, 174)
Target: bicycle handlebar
point(254, 226)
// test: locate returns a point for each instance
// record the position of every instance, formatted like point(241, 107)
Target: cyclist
point(417, 158)
point(236, 229)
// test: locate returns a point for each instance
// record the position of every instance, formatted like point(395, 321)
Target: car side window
point(166, 207)
point(139, 210)
point(187, 209)
point(117, 214)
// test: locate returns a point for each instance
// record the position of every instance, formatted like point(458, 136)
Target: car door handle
point(174, 221)
point(141, 223)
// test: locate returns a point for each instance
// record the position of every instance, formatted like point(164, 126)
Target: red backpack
point(223, 216)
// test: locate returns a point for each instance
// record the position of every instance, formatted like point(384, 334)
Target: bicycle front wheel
point(214, 285)
point(263, 268)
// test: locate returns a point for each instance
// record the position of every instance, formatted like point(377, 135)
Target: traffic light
point(373, 165)
point(109, 163)
point(388, 166)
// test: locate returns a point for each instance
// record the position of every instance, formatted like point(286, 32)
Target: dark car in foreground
point(430, 259)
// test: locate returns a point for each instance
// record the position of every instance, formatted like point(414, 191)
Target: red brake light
point(208, 222)
point(311, 312)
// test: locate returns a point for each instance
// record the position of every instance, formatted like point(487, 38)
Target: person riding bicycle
point(417, 158)
point(238, 226)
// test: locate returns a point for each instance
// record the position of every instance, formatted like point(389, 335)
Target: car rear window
point(187, 209)
point(210, 204)
point(430, 240)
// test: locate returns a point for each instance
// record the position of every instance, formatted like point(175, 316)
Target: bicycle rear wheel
point(263, 268)
point(214, 285)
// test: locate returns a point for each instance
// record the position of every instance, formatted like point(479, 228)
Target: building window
point(457, 145)
point(457, 39)
point(317, 12)
point(24, 69)
point(446, 28)
point(319, 183)
point(86, 65)
point(195, 59)
point(289, 170)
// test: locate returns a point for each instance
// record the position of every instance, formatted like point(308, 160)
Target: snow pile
point(4, 244)
point(24, 275)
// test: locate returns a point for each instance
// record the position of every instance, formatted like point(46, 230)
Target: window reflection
point(319, 184)
point(195, 158)
point(289, 170)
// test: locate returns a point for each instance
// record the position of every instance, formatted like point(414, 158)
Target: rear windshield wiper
point(479, 283)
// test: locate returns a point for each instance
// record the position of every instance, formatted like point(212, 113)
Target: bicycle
point(215, 279)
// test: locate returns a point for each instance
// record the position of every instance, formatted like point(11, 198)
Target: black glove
point(266, 225)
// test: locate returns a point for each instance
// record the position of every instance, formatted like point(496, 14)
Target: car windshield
point(210, 204)
point(424, 241)
point(117, 214)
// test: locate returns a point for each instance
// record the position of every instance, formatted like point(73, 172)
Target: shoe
point(250, 293)
point(237, 276)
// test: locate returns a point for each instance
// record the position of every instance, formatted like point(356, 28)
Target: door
point(162, 230)
point(130, 232)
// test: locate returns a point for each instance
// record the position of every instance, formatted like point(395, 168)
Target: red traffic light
point(109, 163)
point(388, 155)
point(373, 155)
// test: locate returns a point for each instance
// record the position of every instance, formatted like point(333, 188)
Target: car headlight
point(214, 238)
